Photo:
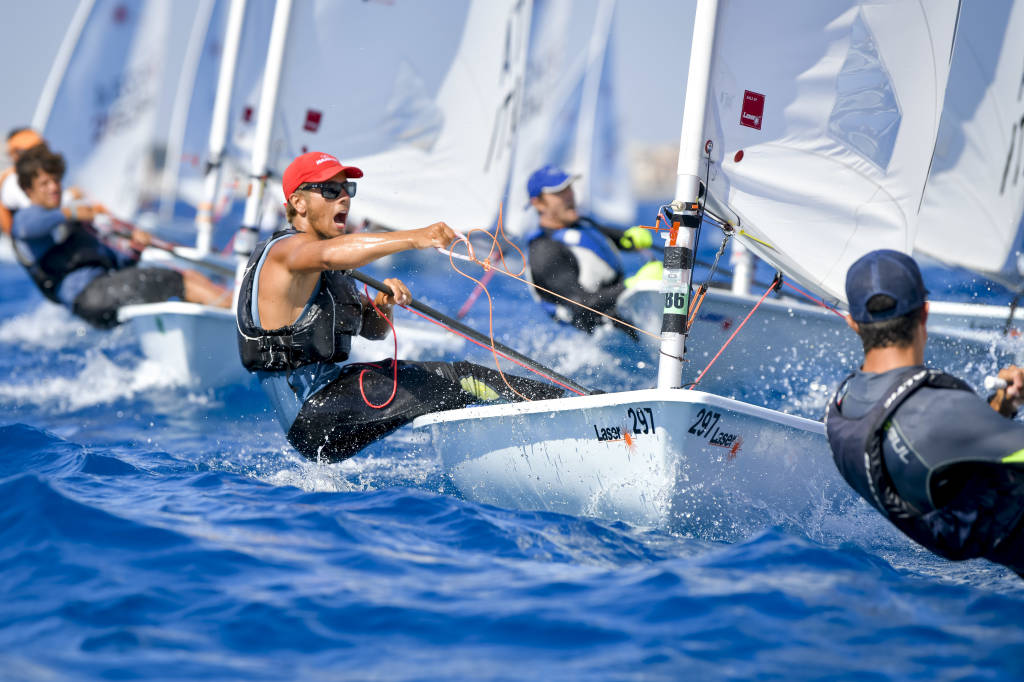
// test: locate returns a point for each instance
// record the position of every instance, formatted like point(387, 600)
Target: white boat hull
point(683, 460)
point(196, 344)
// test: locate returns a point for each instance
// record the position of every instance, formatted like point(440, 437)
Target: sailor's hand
point(85, 213)
point(401, 296)
point(141, 239)
point(636, 237)
point(1014, 378)
point(75, 194)
point(438, 235)
point(1008, 400)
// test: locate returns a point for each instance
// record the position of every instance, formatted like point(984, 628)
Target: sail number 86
point(675, 301)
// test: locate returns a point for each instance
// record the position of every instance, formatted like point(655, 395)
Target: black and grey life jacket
point(80, 249)
point(857, 449)
point(323, 332)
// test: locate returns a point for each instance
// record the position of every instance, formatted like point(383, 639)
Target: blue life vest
point(583, 236)
point(79, 249)
point(323, 332)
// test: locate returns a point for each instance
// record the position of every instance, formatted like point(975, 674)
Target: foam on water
point(46, 326)
point(99, 381)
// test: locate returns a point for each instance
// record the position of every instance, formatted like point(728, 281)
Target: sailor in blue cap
point(576, 257)
point(918, 444)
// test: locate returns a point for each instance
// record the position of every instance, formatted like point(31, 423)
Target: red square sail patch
point(312, 120)
point(753, 110)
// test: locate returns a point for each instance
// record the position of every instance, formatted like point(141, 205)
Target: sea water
point(150, 531)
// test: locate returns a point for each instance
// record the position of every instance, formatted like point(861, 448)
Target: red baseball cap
point(314, 167)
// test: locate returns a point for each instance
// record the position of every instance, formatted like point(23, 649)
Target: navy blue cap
point(888, 272)
point(549, 179)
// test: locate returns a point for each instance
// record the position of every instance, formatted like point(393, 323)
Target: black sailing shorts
point(99, 301)
point(337, 422)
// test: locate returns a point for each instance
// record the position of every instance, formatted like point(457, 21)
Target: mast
point(182, 104)
point(60, 65)
point(742, 263)
point(681, 242)
point(245, 240)
point(219, 125)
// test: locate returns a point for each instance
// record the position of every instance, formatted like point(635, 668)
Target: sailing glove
point(636, 237)
point(650, 271)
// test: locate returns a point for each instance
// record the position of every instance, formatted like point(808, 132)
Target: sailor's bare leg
point(199, 289)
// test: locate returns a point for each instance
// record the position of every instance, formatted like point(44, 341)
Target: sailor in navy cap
point(918, 444)
point(576, 257)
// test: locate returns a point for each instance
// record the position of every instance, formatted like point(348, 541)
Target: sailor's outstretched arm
point(349, 251)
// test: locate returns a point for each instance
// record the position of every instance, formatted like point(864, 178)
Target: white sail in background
point(975, 199)
point(183, 143)
point(553, 76)
point(434, 137)
point(194, 150)
point(822, 118)
point(570, 115)
point(101, 107)
point(604, 191)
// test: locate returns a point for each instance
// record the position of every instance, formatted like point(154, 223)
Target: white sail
point(822, 118)
point(434, 136)
point(975, 198)
point(553, 79)
point(183, 137)
point(102, 105)
point(186, 168)
point(570, 115)
point(605, 191)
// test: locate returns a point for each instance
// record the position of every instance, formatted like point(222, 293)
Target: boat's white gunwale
point(619, 398)
point(969, 309)
point(129, 312)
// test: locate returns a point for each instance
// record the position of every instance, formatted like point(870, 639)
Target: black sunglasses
point(332, 190)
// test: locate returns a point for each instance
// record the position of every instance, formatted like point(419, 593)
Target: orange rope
point(693, 313)
point(490, 267)
point(394, 362)
point(487, 266)
point(771, 288)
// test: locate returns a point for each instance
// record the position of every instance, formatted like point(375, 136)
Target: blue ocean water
point(153, 532)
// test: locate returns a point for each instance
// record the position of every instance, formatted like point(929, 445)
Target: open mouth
point(340, 217)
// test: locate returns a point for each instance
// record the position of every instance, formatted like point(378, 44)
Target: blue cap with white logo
point(887, 272)
point(549, 179)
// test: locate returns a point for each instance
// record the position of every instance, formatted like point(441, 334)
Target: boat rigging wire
point(774, 286)
point(704, 287)
point(820, 302)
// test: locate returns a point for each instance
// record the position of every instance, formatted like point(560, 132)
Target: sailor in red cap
point(298, 311)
